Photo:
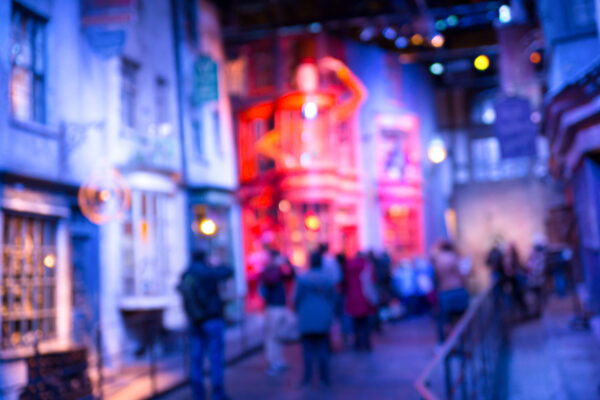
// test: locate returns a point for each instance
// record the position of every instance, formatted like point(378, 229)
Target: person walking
point(315, 306)
point(361, 299)
point(513, 278)
point(453, 298)
point(203, 305)
point(276, 312)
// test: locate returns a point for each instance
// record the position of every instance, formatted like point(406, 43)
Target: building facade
point(309, 175)
point(571, 126)
point(111, 155)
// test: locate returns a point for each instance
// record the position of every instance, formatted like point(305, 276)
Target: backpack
point(195, 297)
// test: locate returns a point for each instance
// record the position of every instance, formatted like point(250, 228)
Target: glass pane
point(22, 52)
point(38, 54)
point(21, 93)
point(39, 103)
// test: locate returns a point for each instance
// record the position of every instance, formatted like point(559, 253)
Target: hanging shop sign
point(105, 24)
point(205, 81)
point(514, 128)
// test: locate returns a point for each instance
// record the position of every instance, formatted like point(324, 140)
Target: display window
point(29, 280)
point(147, 244)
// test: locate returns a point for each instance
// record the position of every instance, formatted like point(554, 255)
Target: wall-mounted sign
point(205, 81)
point(105, 24)
point(514, 128)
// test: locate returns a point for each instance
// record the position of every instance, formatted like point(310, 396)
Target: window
point(161, 92)
point(28, 66)
point(129, 71)
point(486, 159)
point(146, 244)
point(28, 280)
point(198, 138)
point(216, 122)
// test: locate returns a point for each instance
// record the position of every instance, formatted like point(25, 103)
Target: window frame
point(155, 208)
point(46, 280)
point(129, 88)
point(37, 79)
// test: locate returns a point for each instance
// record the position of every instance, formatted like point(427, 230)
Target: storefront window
point(146, 244)
point(212, 233)
point(129, 72)
point(28, 283)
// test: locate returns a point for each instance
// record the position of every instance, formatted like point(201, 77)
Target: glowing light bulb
point(437, 152)
point(49, 261)
point(208, 227)
point(401, 42)
point(482, 62)
point(436, 69)
point(489, 116)
point(104, 195)
point(505, 14)
point(390, 33)
point(452, 20)
point(440, 25)
point(438, 41)
point(310, 110)
point(535, 57)
point(312, 222)
point(417, 39)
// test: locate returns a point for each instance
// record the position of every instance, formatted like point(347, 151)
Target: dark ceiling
point(468, 26)
point(250, 19)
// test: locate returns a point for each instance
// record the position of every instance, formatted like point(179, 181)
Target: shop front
point(214, 230)
point(35, 278)
point(399, 195)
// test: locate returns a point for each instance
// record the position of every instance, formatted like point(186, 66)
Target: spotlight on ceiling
point(390, 33)
point(436, 68)
point(438, 40)
point(417, 39)
point(505, 14)
point(367, 34)
point(401, 42)
point(452, 20)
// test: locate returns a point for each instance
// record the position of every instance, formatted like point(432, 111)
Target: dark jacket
point(206, 280)
point(273, 280)
point(315, 301)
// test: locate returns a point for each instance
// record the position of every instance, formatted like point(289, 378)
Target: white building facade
point(94, 101)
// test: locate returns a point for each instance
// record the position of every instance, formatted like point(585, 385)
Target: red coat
point(356, 304)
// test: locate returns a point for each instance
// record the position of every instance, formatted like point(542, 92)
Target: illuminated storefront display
point(399, 185)
point(297, 168)
point(28, 285)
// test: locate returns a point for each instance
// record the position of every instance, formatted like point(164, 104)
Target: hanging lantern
point(104, 197)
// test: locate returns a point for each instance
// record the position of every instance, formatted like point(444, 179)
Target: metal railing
point(467, 364)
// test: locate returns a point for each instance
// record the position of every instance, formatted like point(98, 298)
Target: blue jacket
point(315, 301)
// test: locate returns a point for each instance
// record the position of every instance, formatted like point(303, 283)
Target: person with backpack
point(273, 290)
point(199, 288)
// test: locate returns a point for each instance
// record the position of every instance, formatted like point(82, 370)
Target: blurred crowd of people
point(337, 302)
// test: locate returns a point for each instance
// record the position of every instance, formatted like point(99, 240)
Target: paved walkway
point(550, 361)
point(399, 354)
